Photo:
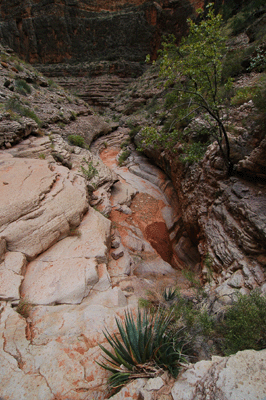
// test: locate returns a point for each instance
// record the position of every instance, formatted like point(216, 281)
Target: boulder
point(39, 204)
point(240, 376)
point(67, 271)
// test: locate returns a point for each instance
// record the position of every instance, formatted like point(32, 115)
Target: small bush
point(73, 116)
point(193, 152)
point(15, 105)
point(244, 325)
point(243, 95)
point(260, 102)
point(134, 131)
point(52, 84)
point(76, 140)
point(258, 61)
point(90, 171)
point(125, 144)
point(123, 156)
point(22, 86)
point(19, 67)
point(236, 62)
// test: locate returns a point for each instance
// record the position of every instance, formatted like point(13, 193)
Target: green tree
point(193, 72)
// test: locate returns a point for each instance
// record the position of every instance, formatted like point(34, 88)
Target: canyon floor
point(84, 236)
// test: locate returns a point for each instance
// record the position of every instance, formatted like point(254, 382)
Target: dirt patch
point(108, 157)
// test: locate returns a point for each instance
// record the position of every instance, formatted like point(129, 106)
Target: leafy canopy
point(193, 74)
point(198, 59)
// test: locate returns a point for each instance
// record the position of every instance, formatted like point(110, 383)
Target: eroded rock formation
point(54, 31)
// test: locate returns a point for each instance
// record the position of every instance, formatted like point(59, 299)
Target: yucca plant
point(170, 294)
point(143, 348)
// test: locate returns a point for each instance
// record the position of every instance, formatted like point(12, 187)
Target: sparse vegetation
point(73, 116)
point(239, 326)
point(74, 232)
point(76, 140)
point(15, 105)
point(22, 87)
point(123, 156)
point(52, 84)
point(24, 307)
point(90, 171)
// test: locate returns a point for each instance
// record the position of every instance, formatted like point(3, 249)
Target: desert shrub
point(258, 61)
point(244, 325)
point(73, 115)
point(90, 171)
point(143, 347)
point(52, 84)
point(19, 67)
point(236, 62)
point(260, 96)
point(76, 140)
point(22, 86)
point(15, 105)
point(243, 95)
point(193, 152)
point(123, 156)
point(125, 143)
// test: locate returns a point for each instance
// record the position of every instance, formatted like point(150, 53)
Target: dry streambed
point(75, 269)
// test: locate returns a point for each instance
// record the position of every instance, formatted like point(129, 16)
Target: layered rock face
point(75, 40)
point(53, 31)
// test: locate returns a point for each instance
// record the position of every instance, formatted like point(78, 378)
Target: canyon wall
point(56, 31)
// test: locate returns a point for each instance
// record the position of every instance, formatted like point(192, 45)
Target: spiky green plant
point(170, 294)
point(143, 348)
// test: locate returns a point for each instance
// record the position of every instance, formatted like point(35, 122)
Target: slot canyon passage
point(91, 227)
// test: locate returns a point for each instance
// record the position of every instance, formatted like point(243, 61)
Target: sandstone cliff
point(61, 31)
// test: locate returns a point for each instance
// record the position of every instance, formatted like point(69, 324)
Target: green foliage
point(244, 16)
point(89, 172)
point(236, 62)
point(52, 84)
point(22, 87)
point(244, 325)
point(243, 95)
point(260, 97)
point(123, 156)
point(73, 115)
point(170, 294)
point(193, 152)
point(76, 140)
point(15, 105)
point(194, 71)
point(125, 143)
point(240, 326)
point(195, 282)
point(258, 62)
point(144, 348)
